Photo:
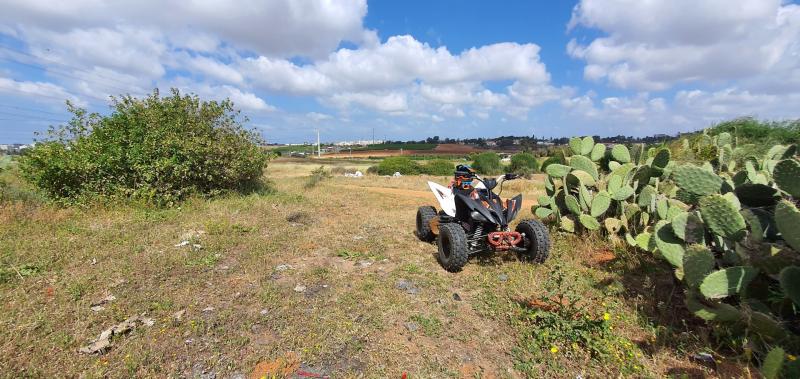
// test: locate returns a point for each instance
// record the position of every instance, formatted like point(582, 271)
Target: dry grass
point(345, 246)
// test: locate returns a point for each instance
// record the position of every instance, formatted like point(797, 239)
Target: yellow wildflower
point(606, 316)
point(791, 357)
point(554, 349)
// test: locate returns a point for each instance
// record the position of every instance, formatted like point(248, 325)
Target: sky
point(407, 70)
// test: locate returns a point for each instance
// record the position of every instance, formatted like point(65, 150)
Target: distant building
point(358, 143)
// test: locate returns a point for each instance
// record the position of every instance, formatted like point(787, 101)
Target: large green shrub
point(558, 158)
point(438, 167)
point(487, 163)
point(523, 163)
point(403, 165)
point(159, 149)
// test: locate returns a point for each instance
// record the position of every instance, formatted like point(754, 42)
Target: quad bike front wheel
point(425, 215)
point(536, 240)
point(453, 251)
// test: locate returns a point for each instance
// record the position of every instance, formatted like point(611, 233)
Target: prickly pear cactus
point(722, 217)
point(579, 162)
point(787, 219)
point(620, 154)
point(696, 180)
point(787, 176)
point(727, 282)
point(670, 246)
point(558, 170)
point(600, 203)
point(589, 222)
point(790, 283)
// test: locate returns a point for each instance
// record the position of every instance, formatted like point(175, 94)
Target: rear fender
point(445, 197)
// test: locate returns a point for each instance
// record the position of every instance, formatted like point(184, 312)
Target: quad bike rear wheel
point(453, 251)
point(424, 216)
point(536, 240)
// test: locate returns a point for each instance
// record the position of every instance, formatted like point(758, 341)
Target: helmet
point(463, 177)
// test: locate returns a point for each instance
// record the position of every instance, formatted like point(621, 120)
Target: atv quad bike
point(473, 220)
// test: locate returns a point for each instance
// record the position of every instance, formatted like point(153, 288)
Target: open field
point(325, 280)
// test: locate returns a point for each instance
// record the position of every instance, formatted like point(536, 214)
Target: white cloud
point(653, 45)
point(37, 91)
point(317, 117)
point(272, 28)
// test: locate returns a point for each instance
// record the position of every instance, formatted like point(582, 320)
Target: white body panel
point(445, 197)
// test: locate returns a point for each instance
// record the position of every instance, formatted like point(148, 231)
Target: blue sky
point(410, 69)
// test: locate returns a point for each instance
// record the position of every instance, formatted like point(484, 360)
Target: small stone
point(208, 309)
point(407, 286)
point(148, 321)
point(264, 312)
point(412, 326)
point(189, 341)
point(364, 264)
point(502, 277)
point(456, 297)
point(282, 267)
point(179, 314)
point(182, 244)
point(300, 288)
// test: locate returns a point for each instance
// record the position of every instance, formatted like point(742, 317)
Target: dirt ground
point(327, 281)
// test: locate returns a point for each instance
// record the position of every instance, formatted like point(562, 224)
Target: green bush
point(487, 163)
point(524, 164)
point(403, 165)
point(318, 175)
point(157, 149)
point(558, 157)
point(438, 167)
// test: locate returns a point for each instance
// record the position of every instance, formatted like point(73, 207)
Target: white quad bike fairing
point(446, 197)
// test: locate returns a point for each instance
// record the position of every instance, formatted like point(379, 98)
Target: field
point(328, 280)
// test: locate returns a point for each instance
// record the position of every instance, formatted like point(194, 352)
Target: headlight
point(477, 216)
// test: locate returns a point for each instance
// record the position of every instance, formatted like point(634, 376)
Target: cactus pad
point(688, 227)
point(787, 176)
point(696, 180)
point(670, 246)
point(724, 138)
point(790, 283)
point(719, 312)
point(726, 282)
point(660, 161)
point(544, 200)
point(620, 154)
point(600, 203)
point(698, 262)
point(722, 217)
point(757, 195)
point(589, 222)
point(557, 170)
point(623, 193)
point(579, 162)
point(576, 145)
point(630, 240)
point(587, 144)
point(572, 204)
point(787, 219)
point(543, 212)
point(645, 241)
point(567, 224)
point(598, 152)
point(773, 363)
